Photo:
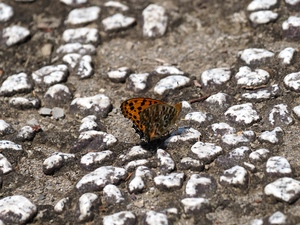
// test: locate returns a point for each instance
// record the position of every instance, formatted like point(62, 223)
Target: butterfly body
point(151, 118)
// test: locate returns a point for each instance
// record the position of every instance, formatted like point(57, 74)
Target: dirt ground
point(201, 35)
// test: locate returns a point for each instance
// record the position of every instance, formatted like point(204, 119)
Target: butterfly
point(151, 118)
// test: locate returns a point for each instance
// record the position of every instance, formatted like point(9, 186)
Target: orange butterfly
point(151, 118)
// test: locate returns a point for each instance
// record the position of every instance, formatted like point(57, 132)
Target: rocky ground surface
point(69, 156)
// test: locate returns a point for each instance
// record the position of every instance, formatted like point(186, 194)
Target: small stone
point(56, 161)
point(280, 115)
point(278, 166)
point(137, 184)
point(133, 164)
point(272, 137)
point(255, 55)
point(263, 17)
point(9, 145)
point(257, 222)
point(87, 204)
point(91, 140)
point(61, 205)
point(119, 75)
point(57, 95)
point(6, 12)
point(82, 49)
point(167, 164)
point(155, 21)
point(46, 50)
point(5, 128)
point(200, 186)
point(14, 35)
point(188, 163)
point(296, 111)
point(292, 81)
point(85, 67)
point(73, 2)
point(136, 152)
point(287, 55)
point(17, 83)
point(259, 155)
point(170, 83)
point(45, 112)
point(285, 189)
point(219, 101)
point(25, 103)
point(116, 4)
point(169, 182)
point(99, 178)
point(58, 113)
point(91, 160)
point(215, 77)
point(293, 4)
point(195, 205)
point(263, 93)
point(112, 194)
point(261, 5)
point(236, 176)
point(98, 105)
point(243, 114)
point(183, 134)
point(122, 218)
point(83, 15)
point(221, 129)
point(155, 218)
point(49, 75)
point(291, 28)
point(233, 140)
point(16, 209)
point(89, 123)
point(138, 82)
point(277, 218)
point(206, 152)
point(246, 77)
point(26, 133)
point(5, 166)
point(167, 70)
point(200, 117)
point(117, 22)
point(84, 35)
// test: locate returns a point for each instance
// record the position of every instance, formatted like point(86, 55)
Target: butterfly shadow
point(155, 144)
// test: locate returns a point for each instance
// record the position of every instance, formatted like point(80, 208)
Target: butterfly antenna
point(198, 99)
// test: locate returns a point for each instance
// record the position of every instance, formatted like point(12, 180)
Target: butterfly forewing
point(132, 109)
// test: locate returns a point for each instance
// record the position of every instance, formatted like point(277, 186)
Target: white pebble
point(14, 34)
point(236, 176)
point(170, 83)
point(251, 55)
point(83, 15)
point(292, 81)
point(246, 77)
point(261, 4)
point(285, 189)
point(117, 21)
point(287, 55)
point(49, 75)
point(16, 83)
point(279, 166)
point(244, 114)
point(86, 204)
point(263, 17)
point(82, 49)
point(155, 21)
point(6, 12)
point(206, 152)
point(138, 82)
point(216, 76)
point(82, 35)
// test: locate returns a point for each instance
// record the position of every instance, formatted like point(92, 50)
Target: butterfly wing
point(157, 119)
point(132, 109)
